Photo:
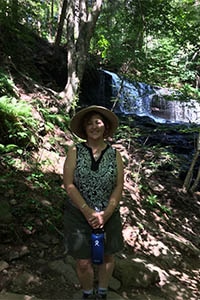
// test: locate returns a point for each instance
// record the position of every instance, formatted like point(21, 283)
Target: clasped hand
point(96, 219)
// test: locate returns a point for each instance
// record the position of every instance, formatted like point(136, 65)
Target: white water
point(144, 100)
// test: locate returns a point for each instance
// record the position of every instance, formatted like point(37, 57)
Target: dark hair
point(89, 115)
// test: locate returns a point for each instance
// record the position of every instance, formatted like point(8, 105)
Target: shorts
point(77, 234)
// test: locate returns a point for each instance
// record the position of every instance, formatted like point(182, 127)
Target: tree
point(61, 23)
point(153, 41)
point(81, 16)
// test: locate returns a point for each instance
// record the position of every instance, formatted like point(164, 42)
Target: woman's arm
point(117, 192)
point(72, 191)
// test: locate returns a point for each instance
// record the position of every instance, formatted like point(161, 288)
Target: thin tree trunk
point(81, 23)
point(61, 22)
point(189, 175)
point(196, 182)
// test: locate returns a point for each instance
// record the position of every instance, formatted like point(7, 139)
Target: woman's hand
point(94, 218)
point(98, 219)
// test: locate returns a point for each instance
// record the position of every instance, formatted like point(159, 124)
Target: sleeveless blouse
point(95, 180)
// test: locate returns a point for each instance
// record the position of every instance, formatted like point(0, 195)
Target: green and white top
point(95, 179)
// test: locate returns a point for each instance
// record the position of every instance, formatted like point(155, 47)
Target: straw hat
point(76, 124)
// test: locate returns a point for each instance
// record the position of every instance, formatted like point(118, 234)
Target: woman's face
point(95, 127)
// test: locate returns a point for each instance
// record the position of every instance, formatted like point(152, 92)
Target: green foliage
point(41, 16)
point(152, 202)
point(36, 206)
point(152, 41)
point(188, 92)
point(60, 119)
point(18, 125)
point(6, 84)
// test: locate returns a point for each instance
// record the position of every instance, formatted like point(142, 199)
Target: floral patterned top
point(95, 180)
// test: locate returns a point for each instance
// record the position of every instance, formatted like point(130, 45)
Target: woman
point(93, 179)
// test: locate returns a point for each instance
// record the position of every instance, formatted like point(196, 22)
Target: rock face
point(96, 89)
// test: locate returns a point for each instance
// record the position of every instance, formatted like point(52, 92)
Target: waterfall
point(130, 98)
point(137, 98)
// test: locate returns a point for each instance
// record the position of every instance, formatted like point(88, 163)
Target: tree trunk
point(81, 22)
point(189, 175)
point(188, 178)
point(61, 22)
point(196, 182)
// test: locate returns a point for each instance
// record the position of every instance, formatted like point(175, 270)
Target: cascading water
point(130, 98)
point(176, 111)
point(144, 100)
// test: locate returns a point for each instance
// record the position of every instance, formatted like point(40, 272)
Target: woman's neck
point(100, 144)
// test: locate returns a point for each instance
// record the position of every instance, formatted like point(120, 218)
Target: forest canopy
point(154, 41)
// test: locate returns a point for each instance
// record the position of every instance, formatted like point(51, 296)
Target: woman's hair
point(89, 115)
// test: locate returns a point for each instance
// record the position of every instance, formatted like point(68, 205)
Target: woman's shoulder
point(73, 149)
point(75, 146)
point(112, 147)
point(116, 150)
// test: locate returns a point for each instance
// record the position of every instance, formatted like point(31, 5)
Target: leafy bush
point(6, 84)
point(17, 123)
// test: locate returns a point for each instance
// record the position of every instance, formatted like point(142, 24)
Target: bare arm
point(117, 192)
point(72, 191)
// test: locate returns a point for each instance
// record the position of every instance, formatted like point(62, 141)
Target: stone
point(60, 267)
point(13, 296)
point(114, 284)
point(183, 244)
point(135, 273)
point(22, 280)
point(3, 265)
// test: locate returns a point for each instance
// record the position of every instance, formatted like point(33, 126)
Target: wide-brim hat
point(76, 123)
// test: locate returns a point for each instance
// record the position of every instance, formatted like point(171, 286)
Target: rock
point(183, 244)
point(18, 253)
point(3, 265)
point(64, 269)
point(114, 284)
point(149, 297)
point(12, 296)
point(21, 281)
point(135, 273)
point(113, 295)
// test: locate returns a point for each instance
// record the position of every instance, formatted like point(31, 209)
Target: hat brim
point(76, 123)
